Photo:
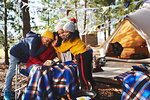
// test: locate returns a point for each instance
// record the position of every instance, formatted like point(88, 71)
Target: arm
point(65, 46)
point(48, 54)
point(36, 60)
point(58, 55)
point(34, 49)
point(33, 60)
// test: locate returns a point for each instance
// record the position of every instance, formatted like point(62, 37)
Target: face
point(65, 34)
point(46, 40)
point(60, 33)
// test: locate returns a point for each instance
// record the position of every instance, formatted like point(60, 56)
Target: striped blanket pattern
point(51, 82)
point(136, 86)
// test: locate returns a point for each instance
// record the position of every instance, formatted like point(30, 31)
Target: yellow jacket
point(76, 47)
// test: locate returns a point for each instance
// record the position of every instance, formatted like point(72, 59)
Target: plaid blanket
point(122, 75)
point(51, 82)
point(133, 68)
point(139, 68)
point(136, 86)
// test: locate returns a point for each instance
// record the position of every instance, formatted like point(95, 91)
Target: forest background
point(99, 17)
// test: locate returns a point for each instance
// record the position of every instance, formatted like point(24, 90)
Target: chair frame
point(18, 86)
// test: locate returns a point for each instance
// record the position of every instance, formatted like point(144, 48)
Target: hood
point(32, 34)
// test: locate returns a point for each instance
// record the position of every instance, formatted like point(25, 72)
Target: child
point(72, 42)
point(65, 56)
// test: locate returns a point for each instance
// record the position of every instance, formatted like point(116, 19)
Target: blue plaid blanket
point(51, 82)
point(122, 75)
point(136, 86)
point(133, 68)
point(139, 68)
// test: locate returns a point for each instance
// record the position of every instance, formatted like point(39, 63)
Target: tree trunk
point(6, 44)
point(104, 29)
point(25, 19)
point(85, 21)
point(76, 14)
point(48, 15)
point(85, 15)
point(109, 29)
point(109, 21)
point(105, 34)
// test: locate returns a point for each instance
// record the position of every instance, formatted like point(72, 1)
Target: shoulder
point(78, 40)
point(37, 38)
point(32, 34)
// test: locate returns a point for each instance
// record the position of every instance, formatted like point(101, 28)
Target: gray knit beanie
point(70, 26)
point(59, 26)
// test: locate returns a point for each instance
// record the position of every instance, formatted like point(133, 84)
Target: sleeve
point(34, 49)
point(35, 60)
point(65, 46)
point(52, 53)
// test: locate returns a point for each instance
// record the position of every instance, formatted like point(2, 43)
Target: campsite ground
point(107, 90)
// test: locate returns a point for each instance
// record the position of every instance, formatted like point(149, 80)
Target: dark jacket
point(29, 46)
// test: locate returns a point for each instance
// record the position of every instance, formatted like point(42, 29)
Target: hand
point(55, 41)
point(48, 63)
point(75, 61)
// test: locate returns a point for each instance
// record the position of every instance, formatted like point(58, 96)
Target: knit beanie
point(59, 26)
point(48, 34)
point(70, 26)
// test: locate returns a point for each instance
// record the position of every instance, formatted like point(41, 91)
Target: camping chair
point(22, 74)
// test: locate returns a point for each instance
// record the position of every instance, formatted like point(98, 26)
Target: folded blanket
point(139, 68)
point(136, 86)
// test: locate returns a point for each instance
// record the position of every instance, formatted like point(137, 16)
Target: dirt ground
point(105, 91)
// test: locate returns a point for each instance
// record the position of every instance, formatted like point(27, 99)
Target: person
point(20, 52)
point(58, 30)
point(44, 58)
point(64, 56)
point(72, 42)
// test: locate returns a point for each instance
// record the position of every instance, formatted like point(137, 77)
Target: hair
point(73, 36)
point(59, 39)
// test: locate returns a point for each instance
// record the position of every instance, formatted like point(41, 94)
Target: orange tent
point(131, 33)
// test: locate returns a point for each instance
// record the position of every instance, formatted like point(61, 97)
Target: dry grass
point(105, 91)
point(2, 53)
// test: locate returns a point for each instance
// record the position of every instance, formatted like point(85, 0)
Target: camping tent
point(133, 30)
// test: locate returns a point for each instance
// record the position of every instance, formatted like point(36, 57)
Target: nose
point(60, 35)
